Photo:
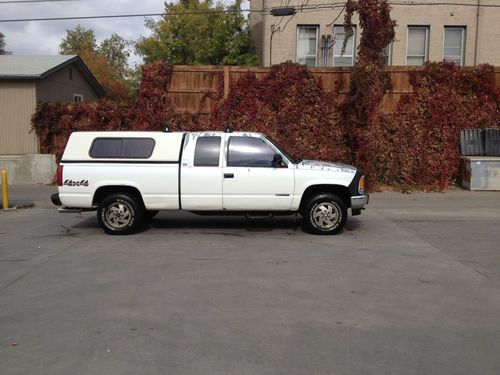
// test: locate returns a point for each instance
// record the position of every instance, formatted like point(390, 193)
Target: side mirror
point(278, 161)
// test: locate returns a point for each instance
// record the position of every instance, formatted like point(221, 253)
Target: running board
point(249, 216)
point(67, 210)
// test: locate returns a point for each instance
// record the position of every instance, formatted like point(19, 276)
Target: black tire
point(325, 214)
point(120, 214)
point(149, 214)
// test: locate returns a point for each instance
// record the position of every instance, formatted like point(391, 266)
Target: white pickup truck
point(129, 176)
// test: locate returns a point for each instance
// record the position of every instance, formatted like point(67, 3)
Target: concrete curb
point(19, 205)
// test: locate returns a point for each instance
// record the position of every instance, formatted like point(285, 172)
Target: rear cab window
point(122, 148)
point(207, 151)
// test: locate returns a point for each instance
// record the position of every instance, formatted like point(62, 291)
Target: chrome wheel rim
point(118, 215)
point(326, 215)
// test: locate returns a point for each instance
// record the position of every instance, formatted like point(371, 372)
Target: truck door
point(251, 183)
point(201, 172)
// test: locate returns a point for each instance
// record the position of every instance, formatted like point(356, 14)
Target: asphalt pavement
point(412, 286)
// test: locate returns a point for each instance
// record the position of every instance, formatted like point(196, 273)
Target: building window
point(77, 98)
point(346, 58)
point(453, 44)
point(387, 55)
point(417, 48)
point(307, 45)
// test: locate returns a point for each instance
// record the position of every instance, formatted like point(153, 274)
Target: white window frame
point(353, 56)
point(426, 50)
point(462, 49)
point(389, 55)
point(297, 44)
point(77, 98)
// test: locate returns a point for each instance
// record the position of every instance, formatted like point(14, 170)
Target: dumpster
point(481, 172)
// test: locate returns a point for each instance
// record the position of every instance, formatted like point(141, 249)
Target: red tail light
point(59, 175)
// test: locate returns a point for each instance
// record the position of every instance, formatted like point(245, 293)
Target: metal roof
point(30, 66)
point(15, 67)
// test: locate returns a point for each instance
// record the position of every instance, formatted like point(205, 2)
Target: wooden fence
point(190, 84)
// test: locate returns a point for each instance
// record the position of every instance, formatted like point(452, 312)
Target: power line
point(129, 15)
point(32, 1)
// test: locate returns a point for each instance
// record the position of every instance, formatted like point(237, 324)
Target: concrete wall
point(29, 169)
point(61, 86)
point(17, 104)
point(284, 43)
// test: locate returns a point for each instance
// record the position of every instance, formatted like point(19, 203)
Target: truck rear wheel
point(119, 214)
point(325, 214)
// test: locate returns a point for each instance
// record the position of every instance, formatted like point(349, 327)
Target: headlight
point(361, 185)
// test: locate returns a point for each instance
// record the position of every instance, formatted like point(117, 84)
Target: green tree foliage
point(220, 36)
point(133, 80)
point(115, 50)
point(107, 61)
point(2, 45)
point(78, 40)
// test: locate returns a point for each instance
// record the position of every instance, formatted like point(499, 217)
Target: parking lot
point(412, 286)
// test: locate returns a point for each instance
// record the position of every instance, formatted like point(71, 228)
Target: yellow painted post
point(5, 190)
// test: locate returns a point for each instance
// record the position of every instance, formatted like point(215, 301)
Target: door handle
point(228, 175)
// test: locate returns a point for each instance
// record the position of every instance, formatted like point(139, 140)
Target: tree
point(102, 70)
point(107, 61)
point(115, 50)
point(133, 80)
point(78, 40)
point(220, 35)
point(2, 45)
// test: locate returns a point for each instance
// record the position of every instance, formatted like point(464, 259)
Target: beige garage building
point(24, 81)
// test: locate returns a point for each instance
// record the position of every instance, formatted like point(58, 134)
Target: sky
point(43, 37)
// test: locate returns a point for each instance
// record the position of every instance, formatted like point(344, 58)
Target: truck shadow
point(167, 220)
point(187, 220)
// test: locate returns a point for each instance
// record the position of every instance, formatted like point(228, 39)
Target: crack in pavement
point(37, 266)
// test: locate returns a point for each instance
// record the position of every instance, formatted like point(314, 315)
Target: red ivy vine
point(369, 81)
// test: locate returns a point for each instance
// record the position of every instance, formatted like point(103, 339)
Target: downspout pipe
point(478, 6)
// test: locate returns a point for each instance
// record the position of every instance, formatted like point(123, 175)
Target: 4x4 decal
point(76, 183)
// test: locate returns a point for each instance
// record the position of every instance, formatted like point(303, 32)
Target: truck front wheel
point(325, 214)
point(119, 214)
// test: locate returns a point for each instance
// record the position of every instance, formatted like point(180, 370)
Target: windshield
point(293, 159)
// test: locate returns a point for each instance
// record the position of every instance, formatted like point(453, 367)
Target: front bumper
point(359, 201)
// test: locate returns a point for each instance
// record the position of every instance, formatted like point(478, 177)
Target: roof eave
point(83, 69)
point(25, 77)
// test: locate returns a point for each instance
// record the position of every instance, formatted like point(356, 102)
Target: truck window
point(249, 152)
point(134, 148)
point(206, 153)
